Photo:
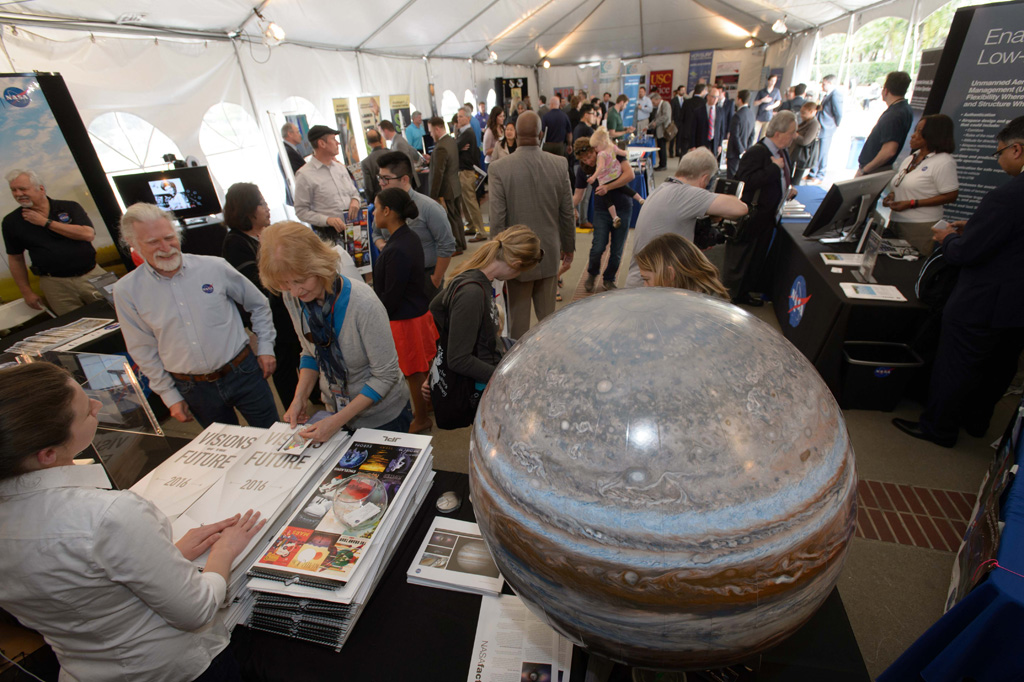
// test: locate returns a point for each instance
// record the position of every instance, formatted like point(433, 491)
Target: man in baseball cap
point(324, 190)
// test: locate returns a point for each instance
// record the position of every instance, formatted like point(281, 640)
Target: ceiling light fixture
point(272, 33)
point(546, 64)
point(780, 25)
point(493, 56)
point(749, 43)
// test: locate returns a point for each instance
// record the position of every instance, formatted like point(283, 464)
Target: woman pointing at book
point(94, 570)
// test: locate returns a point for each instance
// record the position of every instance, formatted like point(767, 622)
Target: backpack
point(454, 396)
point(936, 280)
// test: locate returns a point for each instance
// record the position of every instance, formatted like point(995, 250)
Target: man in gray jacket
point(659, 123)
point(532, 188)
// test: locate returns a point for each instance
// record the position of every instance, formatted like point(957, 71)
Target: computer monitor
point(185, 192)
point(847, 204)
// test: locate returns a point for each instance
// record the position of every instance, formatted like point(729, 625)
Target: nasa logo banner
point(798, 298)
point(17, 97)
point(883, 372)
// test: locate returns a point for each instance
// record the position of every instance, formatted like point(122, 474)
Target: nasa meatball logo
point(208, 288)
point(64, 217)
point(798, 298)
point(883, 372)
point(17, 97)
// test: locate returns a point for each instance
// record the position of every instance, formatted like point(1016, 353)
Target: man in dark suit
point(444, 179)
point(796, 102)
point(689, 106)
point(765, 171)
point(292, 139)
point(741, 133)
point(983, 321)
point(829, 116)
point(675, 147)
point(726, 106)
point(708, 128)
point(531, 187)
point(371, 186)
point(469, 157)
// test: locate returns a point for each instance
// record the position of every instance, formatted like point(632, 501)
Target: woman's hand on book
point(234, 539)
point(195, 542)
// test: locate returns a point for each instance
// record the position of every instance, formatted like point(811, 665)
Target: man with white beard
point(181, 324)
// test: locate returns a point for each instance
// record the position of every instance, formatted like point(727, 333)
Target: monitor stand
point(864, 279)
point(846, 236)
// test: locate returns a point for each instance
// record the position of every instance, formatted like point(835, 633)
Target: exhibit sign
point(630, 88)
point(727, 77)
point(980, 85)
point(300, 122)
point(565, 93)
point(662, 82)
point(919, 95)
point(369, 112)
point(700, 67)
point(343, 120)
point(401, 115)
point(33, 136)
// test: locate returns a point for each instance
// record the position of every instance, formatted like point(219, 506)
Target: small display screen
point(185, 192)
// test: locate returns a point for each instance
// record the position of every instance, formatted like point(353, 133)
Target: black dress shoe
point(748, 300)
point(914, 429)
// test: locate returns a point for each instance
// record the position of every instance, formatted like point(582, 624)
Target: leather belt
point(217, 374)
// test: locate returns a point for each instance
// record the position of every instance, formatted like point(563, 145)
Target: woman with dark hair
point(925, 182)
point(398, 279)
point(494, 132)
point(508, 143)
point(246, 214)
point(674, 261)
point(94, 570)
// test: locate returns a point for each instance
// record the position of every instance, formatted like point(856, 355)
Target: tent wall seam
point(3, 45)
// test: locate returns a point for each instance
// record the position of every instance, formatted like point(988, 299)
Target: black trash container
point(876, 374)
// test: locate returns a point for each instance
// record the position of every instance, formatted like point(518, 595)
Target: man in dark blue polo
point(557, 128)
point(767, 101)
point(887, 137)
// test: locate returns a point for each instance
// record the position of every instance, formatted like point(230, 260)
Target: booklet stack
point(454, 556)
point(227, 470)
point(326, 560)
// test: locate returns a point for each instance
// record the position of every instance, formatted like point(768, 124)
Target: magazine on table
point(322, 543)
point(453, 556)
point(872, 292)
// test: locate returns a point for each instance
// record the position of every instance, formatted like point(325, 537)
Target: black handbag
point(454, 396)
point(738, 231)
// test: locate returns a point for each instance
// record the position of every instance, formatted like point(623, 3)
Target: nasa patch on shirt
point(64, 217)
point(208, 288)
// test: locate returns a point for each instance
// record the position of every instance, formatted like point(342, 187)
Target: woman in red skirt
point(398, 279)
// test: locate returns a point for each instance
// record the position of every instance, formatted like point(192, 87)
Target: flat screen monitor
point(847, 203)
point(185, 192)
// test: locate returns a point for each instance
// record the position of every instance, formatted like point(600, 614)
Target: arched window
point(301, 105)
point(126, 143)
point(449, 105)
point(492, 100)
point(830, 55)
point(235, 152)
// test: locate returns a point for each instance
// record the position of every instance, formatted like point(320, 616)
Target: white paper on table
point(843, 259)
point(511, 643)
point(872, 292)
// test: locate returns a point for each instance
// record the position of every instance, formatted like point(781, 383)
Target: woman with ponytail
point(399, 278)
point(467, 319)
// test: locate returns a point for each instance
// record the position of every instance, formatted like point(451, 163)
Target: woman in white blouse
point(924, 183)
point(94, 570)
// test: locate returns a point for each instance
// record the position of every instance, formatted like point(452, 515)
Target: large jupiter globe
point(664, 479)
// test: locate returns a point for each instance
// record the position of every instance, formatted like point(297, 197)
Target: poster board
point(369, 112)
point(343, 122)
point(300, 122)
point(700, 67)
point(401, 114)
point(661, 81)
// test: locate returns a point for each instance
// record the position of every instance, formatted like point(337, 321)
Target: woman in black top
point(247, 214)
point(399, 279)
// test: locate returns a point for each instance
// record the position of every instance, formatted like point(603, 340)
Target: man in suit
point(765, 171)
point(675, 147)
point(659, 125)
point(726, 106)
point(708, 129)
point(469, 157)
point(983, 321)
point(531, 188)
point(400, 144)
point(292, 139)
point(371, 186)
point(695, 102)
point(445, 187)
point(796, 102)
point(829, 116)
point(741, 133)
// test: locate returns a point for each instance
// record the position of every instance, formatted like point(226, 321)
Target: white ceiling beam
point(461, 28)
point(546, 31)
point(387, 23)
point(511, 29)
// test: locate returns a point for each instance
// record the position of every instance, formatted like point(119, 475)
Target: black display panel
point(185, 192)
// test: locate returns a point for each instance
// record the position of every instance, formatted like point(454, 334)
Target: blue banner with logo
point(700, 67)
point(631, 89)
point(32, 140)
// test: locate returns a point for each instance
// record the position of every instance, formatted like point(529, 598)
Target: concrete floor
point(892, 592)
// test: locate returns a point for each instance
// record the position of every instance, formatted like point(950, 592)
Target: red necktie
point(711, 123)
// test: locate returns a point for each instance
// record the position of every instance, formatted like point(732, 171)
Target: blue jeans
point(243, 387)
point(603, 230)
point(399, 424)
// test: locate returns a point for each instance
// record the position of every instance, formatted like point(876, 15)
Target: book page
point(512, 644)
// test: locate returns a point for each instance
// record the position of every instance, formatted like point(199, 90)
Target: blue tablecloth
point(982, 636)
point(811, 197)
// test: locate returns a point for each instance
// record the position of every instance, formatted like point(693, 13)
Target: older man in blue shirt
point(181, 324)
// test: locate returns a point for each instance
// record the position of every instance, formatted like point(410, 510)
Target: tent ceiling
point(519, 31)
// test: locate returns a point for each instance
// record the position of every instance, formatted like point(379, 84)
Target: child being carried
point(609, 169)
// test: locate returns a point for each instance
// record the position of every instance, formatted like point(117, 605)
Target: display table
point(980, 637)
point(818, 318)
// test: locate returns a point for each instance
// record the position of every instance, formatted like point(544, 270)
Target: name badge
point(339, 397)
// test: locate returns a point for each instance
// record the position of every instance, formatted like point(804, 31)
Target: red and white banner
point(662, 82)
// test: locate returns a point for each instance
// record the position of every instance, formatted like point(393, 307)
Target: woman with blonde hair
point(467, 319)
point(344, 332)
point(674, 261)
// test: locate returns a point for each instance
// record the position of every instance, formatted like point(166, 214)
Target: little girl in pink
point(608, 170)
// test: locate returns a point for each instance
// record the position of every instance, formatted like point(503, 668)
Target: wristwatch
point(47, 223)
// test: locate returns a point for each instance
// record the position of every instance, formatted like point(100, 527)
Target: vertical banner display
point(980, 85)
point(727, 77)
point(300, 122)
point(919, 95)
point(400, 114)
point(343, 121)
point(631, 89)
point(608, 79)
point(369, 112)
point(700, 67)
point(661, 81)
point(32, 136)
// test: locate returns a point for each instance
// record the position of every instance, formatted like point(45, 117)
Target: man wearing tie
point(708, 124)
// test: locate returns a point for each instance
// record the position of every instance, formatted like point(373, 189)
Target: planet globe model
point(663, 478)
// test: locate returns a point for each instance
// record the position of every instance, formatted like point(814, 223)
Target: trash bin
point(876, 374)
point(856, 146)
